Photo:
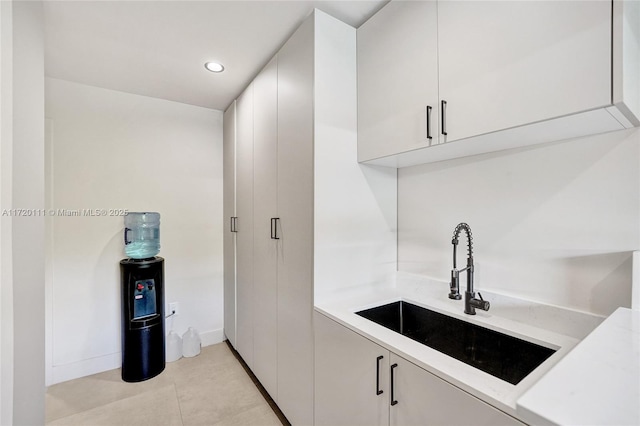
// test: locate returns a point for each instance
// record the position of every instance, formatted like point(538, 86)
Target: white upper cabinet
point(626, 62)
point(397, 79)
point(506, 73)
point(508, 63)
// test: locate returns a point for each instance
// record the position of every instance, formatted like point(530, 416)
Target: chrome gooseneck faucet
point(470, 301)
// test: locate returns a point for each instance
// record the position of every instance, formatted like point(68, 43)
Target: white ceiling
point(158, 48)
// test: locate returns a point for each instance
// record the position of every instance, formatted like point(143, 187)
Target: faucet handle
point(481, 304)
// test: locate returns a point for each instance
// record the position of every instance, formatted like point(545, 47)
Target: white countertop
point(549, 326)
point(598, 383)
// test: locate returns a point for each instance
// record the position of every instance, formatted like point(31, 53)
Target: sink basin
point(505, 357)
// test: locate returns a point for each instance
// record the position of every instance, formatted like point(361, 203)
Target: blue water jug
point(142, 234)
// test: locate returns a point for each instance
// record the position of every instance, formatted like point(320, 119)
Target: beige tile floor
point(209, 389)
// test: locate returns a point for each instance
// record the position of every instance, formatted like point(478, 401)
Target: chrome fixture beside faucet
point(470, 301)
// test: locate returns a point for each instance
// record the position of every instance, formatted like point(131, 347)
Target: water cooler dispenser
point(142, 279)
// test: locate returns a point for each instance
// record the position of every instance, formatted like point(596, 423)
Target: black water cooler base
point(143, 341)
point(141, 360)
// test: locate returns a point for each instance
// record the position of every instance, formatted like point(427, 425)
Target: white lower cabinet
point(351, 377)
point(424, 399)
point(354, 387)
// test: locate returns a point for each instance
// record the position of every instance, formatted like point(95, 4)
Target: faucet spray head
point(454, 285)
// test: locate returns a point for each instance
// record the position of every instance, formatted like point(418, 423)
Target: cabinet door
point(265, 149)
point(424, 399)
point(295, 207)
point(508, 63)
point(229, 239)
point(244, 237)
point(397, 79)
point(352, 384)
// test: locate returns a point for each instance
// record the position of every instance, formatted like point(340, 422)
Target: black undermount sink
point(505, 357)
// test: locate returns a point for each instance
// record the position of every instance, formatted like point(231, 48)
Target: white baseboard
point(212, 337)
point(87, 367)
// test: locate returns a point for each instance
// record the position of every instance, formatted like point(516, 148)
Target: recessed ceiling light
point(214, 67)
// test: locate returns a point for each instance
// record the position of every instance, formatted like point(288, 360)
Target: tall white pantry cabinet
point(307, 217)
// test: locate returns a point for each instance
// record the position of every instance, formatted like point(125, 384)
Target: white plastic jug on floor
point(191, 343)
point(174, 347)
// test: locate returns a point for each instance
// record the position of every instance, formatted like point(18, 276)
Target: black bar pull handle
point(429, 122)
point(378, 390)
point(274, 228)
point(234, 224)
point(443, 124)
point(393, 399)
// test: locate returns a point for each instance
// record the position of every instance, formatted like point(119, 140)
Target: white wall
point(113, 150)
point(555, 223)
point(28, 232)
point(21, 187)
point(355, 216)
point(6, 223)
